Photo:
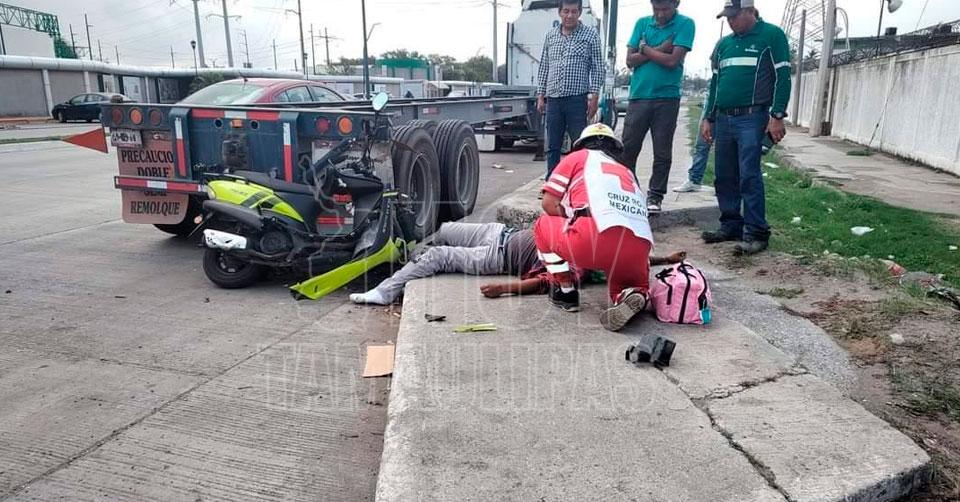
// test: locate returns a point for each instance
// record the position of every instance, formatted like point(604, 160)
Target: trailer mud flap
point(159, 208)
point(324, 284)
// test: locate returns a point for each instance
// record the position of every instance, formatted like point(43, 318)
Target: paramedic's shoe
point(654, 207)
point(750, 247)
point(568, 302)
point(715, 236)
point(630, 303)
point(687, 186)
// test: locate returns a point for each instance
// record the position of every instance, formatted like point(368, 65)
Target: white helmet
point(597, 130)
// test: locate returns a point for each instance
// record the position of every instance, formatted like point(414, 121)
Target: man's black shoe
point(568, 302)
point(750, 247)
point(715, 236)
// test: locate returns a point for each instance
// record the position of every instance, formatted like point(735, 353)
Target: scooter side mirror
point(379, 101)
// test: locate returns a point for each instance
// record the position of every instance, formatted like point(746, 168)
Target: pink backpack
point(681, 295)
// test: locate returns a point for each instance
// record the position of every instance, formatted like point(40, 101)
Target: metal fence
point(862, 49)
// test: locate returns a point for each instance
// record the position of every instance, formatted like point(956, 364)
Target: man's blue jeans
point(564, 115)
point(739, 177)
point(701, 155)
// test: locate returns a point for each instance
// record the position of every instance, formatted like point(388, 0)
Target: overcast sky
point(145, 30)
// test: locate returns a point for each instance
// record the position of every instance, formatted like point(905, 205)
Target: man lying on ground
point(477, 249)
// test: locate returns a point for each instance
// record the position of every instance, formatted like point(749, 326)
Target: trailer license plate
point(128, 138)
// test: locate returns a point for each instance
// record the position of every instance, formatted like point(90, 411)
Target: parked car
point(85, 106)
point(262, 91)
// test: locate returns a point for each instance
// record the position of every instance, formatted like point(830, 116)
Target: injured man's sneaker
point(568, 301)
point(370, 297)
point(630, 303)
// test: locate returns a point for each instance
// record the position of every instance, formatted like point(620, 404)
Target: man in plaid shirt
point(571, 72)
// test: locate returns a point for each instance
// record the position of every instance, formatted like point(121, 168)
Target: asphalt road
point(125, 374)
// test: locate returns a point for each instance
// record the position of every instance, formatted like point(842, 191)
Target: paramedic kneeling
point(596, 219)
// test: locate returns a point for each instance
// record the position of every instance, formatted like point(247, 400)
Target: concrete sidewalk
point(546, 408)
point(895, 181)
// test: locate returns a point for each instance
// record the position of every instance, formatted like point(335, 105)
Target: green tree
point(477, 69)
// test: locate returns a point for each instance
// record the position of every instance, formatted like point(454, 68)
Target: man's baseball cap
point(733, 7)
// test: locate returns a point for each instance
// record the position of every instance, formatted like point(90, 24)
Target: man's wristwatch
point(778, 115)
point(643, 45)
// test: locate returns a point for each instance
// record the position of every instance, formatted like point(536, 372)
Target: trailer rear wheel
point(429, 125)
point(416, 172)
point(459, 168)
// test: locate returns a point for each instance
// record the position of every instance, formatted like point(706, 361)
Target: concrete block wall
point(22, 94)
point(913, 97)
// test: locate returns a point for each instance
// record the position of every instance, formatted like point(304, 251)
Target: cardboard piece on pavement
point(379, 361)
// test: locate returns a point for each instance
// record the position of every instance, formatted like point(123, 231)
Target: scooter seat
point(278, 185)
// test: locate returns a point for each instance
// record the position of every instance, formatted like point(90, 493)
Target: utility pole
point(495, 79)
point(246, 46)
point(303, 52)
point(118, 53)
point(823, 76)
point(73, 43)
point(172, 63)
point(89, 45)
point(295, 65)
point(326, 38)
point(366, 66)
point(798, 92)
point(100, 50)
point(313, 51)
point(275, 65)
point(226, 29)
point(196, 19)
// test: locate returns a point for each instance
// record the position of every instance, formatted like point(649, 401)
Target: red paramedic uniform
point(606, 227)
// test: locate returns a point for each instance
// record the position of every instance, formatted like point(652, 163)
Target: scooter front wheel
point(228, 272)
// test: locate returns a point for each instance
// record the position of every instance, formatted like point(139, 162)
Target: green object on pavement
point(317, 287)
point(474, 328)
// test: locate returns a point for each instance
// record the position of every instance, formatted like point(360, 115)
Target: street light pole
point(303, 50)
point(199, 42)
point(366, 66)
point(226, 28)
point(89, 45)
point(193, 45)
point(495, 75)
point(880, 25)
point(823, 76)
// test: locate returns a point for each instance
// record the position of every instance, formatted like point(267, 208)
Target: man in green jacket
point(748, 99)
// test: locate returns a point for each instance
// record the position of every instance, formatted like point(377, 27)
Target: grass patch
point(12, 141)
point(928, 394)
point(787, 293)
point(919, 241)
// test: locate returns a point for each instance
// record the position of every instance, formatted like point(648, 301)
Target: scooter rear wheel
point(228, 272)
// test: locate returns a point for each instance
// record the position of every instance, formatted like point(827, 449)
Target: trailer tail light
point(345, 126)
point(136, 116)
point(116, 116)
point(156, 116)
point(323, 125)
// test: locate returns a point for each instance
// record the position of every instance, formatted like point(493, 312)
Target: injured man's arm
point(536, 281)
